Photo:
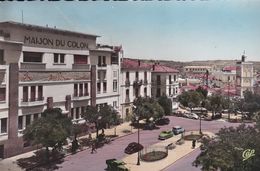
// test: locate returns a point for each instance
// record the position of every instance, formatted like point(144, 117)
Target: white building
point(244, 76)
point(135, 82)
point(165, 82)
point(198, 69)
point(43, 67)
point(227, 76)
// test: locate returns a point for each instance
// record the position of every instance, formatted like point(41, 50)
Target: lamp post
point(200, 115)
point(138, 141)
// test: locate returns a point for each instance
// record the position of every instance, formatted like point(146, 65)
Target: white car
point(192, 116)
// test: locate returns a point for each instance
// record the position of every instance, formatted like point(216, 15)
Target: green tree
point(51, 130)
point(91, 115)
point(225, 151)
point(190, 99)
point(202, 91)
point(166, 104)
point(215, 103)
point(147, 108)
point(101, 117)
point(252, 103)
point(109, 117)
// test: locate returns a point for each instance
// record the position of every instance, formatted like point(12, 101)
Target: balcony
point(102, 65)
point(80, 97)
point(33, 102)
point(81, 66)
point(137, 83)
point(127, 83)
point(127, 100)
point(32, 66)
point(145, 82)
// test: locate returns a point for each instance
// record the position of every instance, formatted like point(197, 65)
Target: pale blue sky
point(173, 30)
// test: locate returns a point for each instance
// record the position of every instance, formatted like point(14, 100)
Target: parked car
point(178, 130)
point(192, 116)
point(217, 116)
point(133, 148)
point(163, 121)
point(149, 126)
point(165, 135)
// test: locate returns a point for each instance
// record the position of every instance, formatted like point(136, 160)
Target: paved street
point(185, 163)
point(96, 162)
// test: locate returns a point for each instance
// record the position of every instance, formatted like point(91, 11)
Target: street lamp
point(200, 115)
point(138, 141)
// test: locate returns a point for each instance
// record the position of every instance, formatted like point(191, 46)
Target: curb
point(179, 159)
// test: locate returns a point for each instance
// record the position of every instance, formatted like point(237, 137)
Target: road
point(185, 163)
point(96, 162)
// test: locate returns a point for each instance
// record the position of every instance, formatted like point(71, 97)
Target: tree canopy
point(147, 108)
point(101, 116)
point(227, 151)
point(166, 104)
point(51, 130)
point(190, 99)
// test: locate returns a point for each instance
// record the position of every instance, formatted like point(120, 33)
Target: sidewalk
point(173, 155)
point(9, 164)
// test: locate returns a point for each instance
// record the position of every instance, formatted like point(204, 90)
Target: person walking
point(193, 143)
point(93, 147)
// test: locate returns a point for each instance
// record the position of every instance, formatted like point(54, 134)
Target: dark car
point(217, 116)
point(133, 148)
point(149, 126)
point(163, 121)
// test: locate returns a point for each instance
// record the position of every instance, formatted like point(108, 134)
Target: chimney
point(153, 67)
point(139, 62)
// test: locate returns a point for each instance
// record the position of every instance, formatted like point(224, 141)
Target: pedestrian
point(93, 147)
point(193, 143)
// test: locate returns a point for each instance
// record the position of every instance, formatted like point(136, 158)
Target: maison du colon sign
point(55, 43)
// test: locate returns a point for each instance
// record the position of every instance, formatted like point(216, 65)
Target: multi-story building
point(244, 76)
point(135, 82)
point(165, 81)
point(42, 67)
point(227, 76)
point(197, 69)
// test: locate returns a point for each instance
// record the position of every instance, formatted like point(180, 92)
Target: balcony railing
point(137, 83)
point(32, 66)
point(145, 82)
point(82, 97)
point(127, 83)
point(127, 100)
point(33, 101)
point(81, 66)
point(102, 65)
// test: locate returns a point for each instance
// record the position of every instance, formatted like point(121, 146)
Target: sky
point(159, 30)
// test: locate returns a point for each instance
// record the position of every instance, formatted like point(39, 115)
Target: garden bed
point(154, 156)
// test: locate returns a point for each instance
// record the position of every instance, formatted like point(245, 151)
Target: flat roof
point(50, 29)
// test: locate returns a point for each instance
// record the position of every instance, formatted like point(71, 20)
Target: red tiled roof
point(163, 68)
point(134, 64)
point(230, 68)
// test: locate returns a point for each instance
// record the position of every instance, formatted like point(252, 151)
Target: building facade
point(135, 81)
point(244, 76)
point(43, 67)
point(165, 82)
point(197, 69)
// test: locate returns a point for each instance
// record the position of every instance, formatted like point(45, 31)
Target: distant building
point(244, 76)
point(227, 76)
point(197, 69)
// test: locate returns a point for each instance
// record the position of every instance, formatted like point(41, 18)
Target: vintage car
point(165, 135)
